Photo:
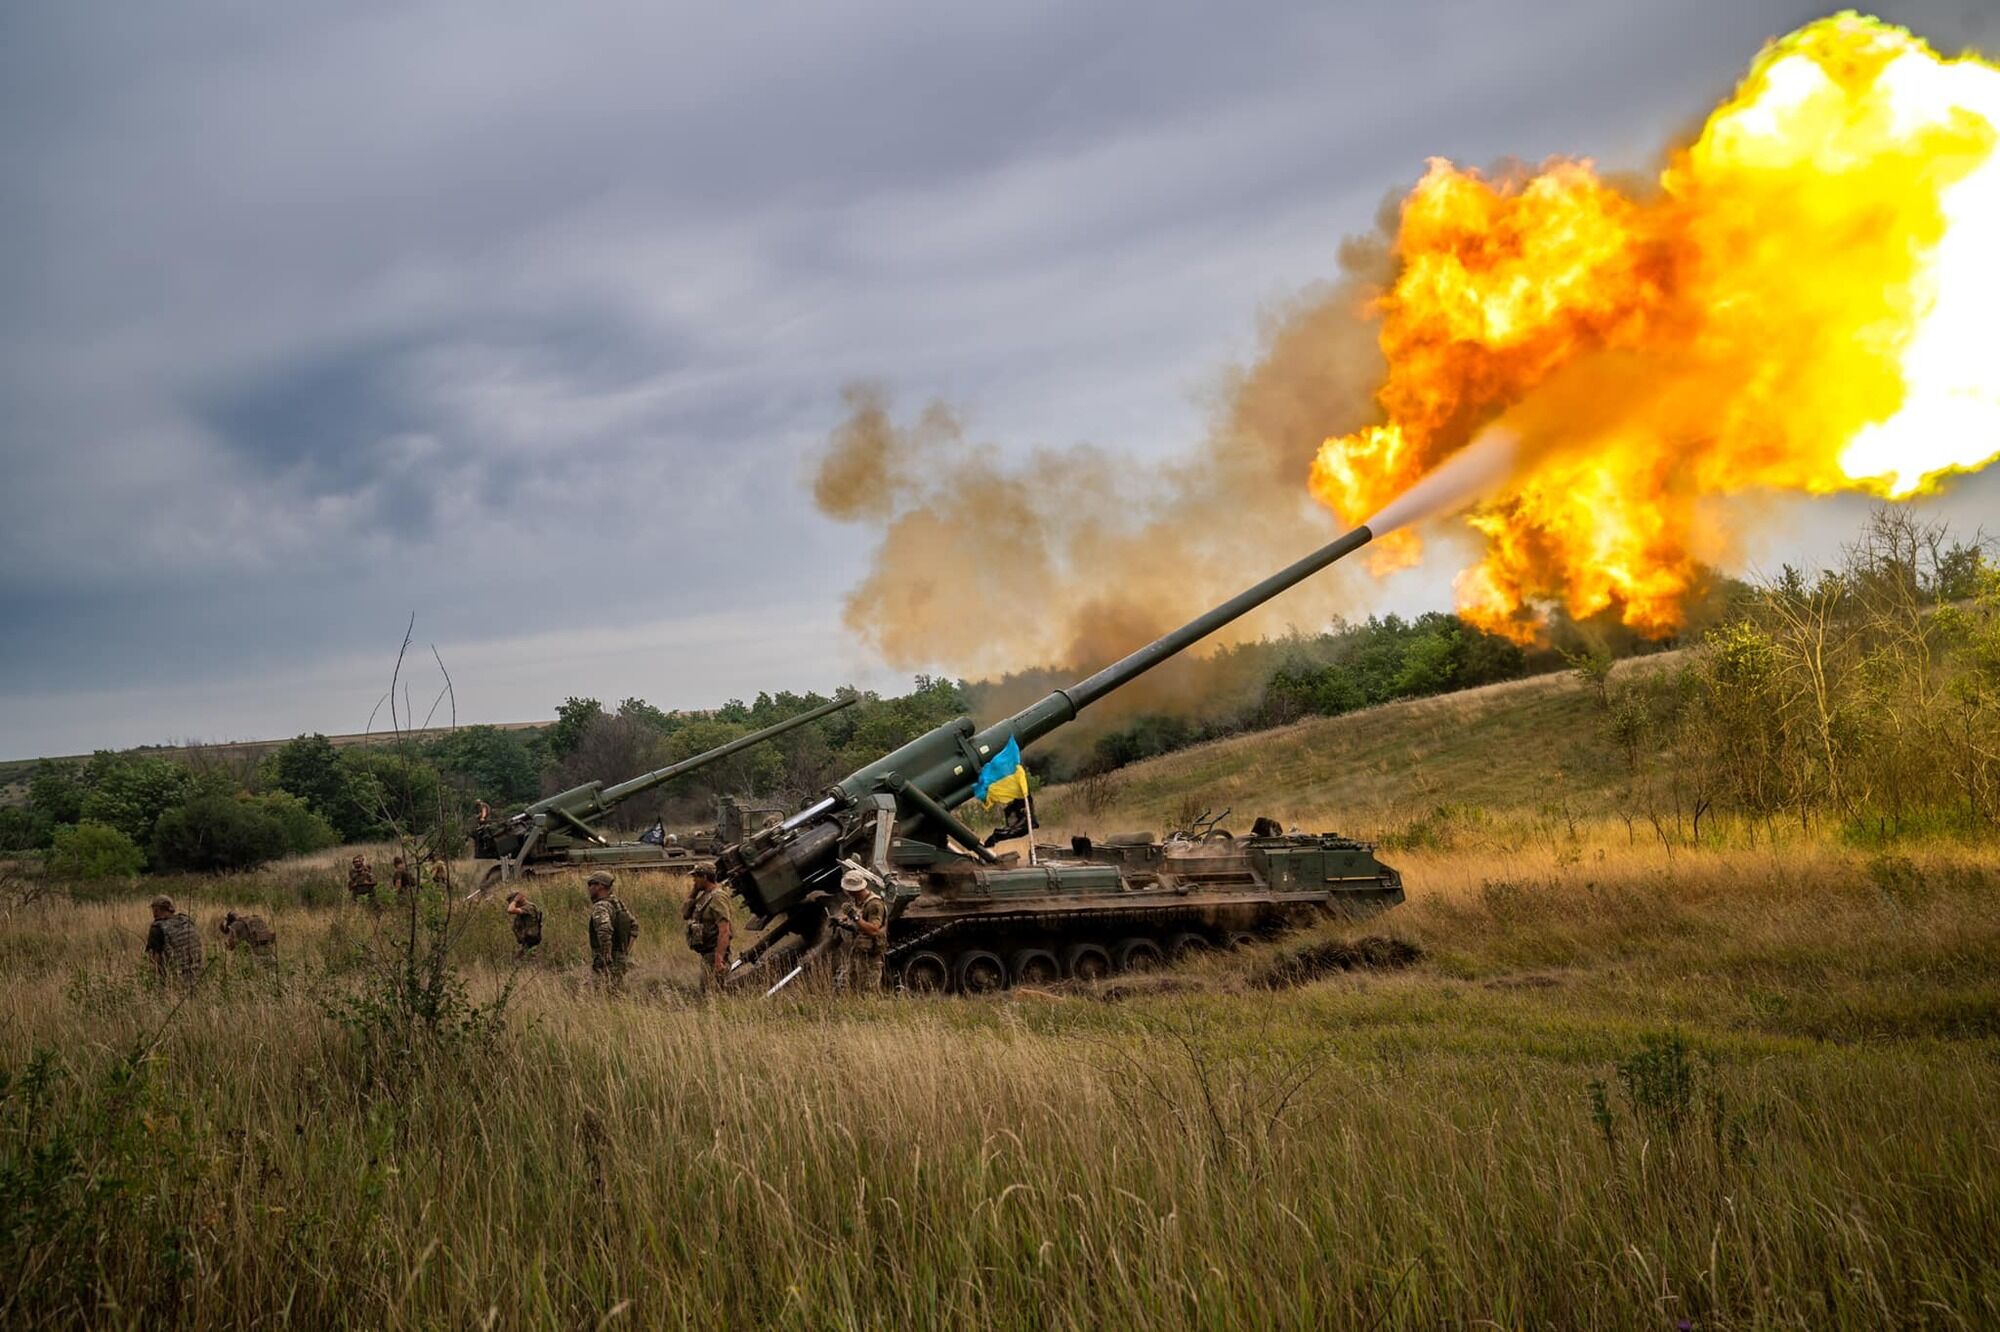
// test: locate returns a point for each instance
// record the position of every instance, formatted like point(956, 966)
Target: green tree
point(89, 850)
point(392, 792)
point(495, 765)
point(56, 790)
point(24, 829)
point(211, 833)
point(304, 831)
point(309, 768)
point(573, 718)
point(130, 793)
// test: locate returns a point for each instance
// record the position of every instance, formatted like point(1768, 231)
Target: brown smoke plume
point(1072, 557)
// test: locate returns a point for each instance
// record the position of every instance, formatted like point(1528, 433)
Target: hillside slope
point(1520, 745)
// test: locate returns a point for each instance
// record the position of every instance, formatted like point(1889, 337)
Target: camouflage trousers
point(860, 973)
point(609, 976)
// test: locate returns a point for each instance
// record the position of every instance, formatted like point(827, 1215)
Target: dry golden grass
point(1411, 1148)
point(1504, 748)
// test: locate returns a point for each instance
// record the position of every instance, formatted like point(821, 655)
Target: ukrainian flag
point(1003, 778)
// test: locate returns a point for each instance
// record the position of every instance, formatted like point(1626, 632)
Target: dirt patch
point(1147, 987)
point(1528, 982)
point(1372, 953)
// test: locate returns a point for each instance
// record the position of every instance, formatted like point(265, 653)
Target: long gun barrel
point(936, 772)
point(580, 804)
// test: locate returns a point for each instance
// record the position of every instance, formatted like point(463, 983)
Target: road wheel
point(1242, 939)
point(1034, 966)
point(925, 973)
point(1086, 962)
point(1188, 944)
point(1137, 953)
point(980, 972)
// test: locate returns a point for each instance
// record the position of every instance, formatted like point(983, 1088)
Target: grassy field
point(1509, 747)
point(1732, 1088)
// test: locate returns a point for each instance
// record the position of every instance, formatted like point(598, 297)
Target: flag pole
point(1028, 804)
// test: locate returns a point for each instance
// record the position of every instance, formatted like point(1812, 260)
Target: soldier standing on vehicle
point(708, 927)
point(1015, 812)
point(173, 944)
point(253, 931)
point(863, 922)
point(527, 922)
point(361, 881)
point(612, 930)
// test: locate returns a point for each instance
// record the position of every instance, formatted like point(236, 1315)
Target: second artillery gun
point(563, 831)
point(963, 918)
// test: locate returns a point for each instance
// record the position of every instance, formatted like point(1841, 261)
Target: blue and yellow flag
point(1003, 778)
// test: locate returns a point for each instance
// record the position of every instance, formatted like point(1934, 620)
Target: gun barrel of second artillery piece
point(612, 794)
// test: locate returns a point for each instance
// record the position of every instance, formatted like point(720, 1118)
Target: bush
point(304, 830)
point(24, 829)
point(217, 832)
point(90, 850)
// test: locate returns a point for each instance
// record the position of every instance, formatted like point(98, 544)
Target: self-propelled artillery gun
point(564, 831)
point(963, 918)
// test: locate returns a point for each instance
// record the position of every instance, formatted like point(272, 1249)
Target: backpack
point(703, 932)
point(624, 927)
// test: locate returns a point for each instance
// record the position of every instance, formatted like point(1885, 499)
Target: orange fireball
point(1807, 301)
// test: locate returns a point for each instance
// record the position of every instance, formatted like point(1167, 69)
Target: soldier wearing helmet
point(862, 918)
point(612, 930)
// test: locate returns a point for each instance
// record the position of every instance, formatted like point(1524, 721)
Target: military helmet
point(162, 903)
point(599, 876)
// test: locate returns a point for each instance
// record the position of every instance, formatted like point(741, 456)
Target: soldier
point(863, 922)
point(173, 944)
point(440, 873)
point(527, 922)
point(1016, 813)
point(709, 927)
point(402, 878)
point(254, 931)
point(361, 881)
point(612, 930)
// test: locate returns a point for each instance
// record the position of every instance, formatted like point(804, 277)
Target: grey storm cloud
point(529, 318)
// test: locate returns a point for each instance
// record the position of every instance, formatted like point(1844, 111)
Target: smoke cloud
point(1072, 557)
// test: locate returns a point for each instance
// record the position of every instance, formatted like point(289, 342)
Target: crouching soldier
point(612, 930)
point(527, 922)
point(708, 927)
point(173, 944)
point(252, 931)
point(863, 922)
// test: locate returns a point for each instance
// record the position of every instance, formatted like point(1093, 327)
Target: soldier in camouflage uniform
point(361, 881)
point(863, 922)
point(402, 878)
point(527, 922)
point(612, 930)
point(173, 944)
point(252, 931)
point(709, 927)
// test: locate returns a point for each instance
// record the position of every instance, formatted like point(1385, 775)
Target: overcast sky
point(530, 319)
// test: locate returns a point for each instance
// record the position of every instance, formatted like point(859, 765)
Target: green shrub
point(91, 850)
point(304, 830)
point(24, 829)
point(217, 832)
